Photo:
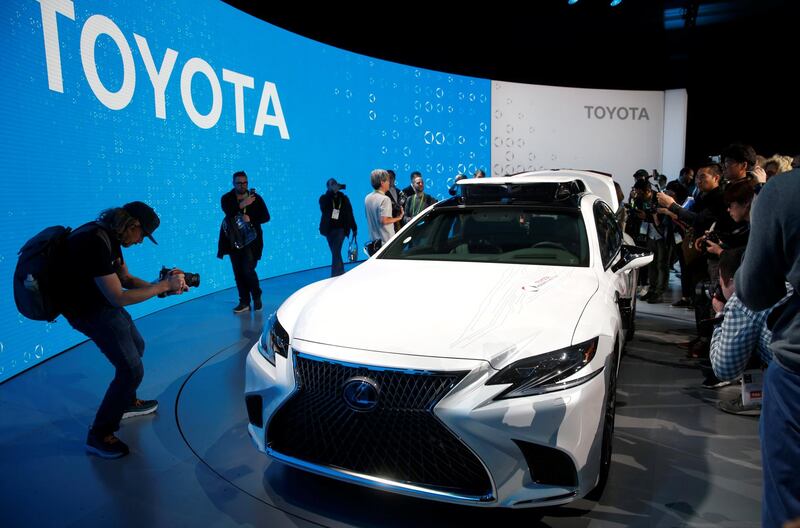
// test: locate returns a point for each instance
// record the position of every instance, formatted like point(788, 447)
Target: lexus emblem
point(360, 394)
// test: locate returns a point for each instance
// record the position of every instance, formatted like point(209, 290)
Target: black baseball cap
point(146, 216)
point(332, 181)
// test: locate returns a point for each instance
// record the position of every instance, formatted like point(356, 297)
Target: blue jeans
point(780, 446)
point(335, 240)
point(115, 334)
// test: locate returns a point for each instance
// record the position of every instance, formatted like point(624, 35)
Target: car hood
point(463, 310)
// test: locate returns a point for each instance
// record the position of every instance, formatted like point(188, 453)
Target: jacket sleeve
point(684, 215)
point(351, 219)
point(229, 204)
point(760, 280)
point(323, 217)
point(258, 212)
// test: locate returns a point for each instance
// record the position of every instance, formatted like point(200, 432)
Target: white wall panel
point(548, 127)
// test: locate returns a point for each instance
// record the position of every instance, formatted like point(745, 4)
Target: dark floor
point(678, 461)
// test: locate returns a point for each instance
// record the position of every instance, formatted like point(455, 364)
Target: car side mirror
point(632, 257)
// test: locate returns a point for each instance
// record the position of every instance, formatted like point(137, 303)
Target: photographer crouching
point(96, 287)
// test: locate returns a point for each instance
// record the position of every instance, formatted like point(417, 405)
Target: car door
point(610, 240)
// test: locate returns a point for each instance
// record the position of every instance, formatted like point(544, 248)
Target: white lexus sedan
point(472, 360)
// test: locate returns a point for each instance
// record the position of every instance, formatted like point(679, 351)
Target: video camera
point(192, 280)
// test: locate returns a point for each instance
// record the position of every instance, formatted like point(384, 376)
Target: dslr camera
point(712, 236)
point(192, 280)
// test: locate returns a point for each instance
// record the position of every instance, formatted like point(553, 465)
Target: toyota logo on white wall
point(619, 113)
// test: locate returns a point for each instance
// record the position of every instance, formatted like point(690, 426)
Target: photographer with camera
point(709, 210)
point(241, 237)
point(96, 288)
point(336, 222)
point(738, 196)
point(644, 207)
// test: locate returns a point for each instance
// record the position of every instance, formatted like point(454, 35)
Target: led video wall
point(106, 102)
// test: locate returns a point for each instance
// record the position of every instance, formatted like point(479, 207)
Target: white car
point(472, 360)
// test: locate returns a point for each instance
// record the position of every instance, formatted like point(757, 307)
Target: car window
point(609, 234)
point(516, 235)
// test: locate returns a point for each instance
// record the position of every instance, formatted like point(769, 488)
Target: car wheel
point(608, 436)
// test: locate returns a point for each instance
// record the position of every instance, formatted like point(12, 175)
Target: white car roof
point(601, 185)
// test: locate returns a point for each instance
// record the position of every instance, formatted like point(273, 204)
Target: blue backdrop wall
point(102, 103)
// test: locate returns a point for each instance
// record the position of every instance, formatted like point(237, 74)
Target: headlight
point(544, 373)
point(274, 340)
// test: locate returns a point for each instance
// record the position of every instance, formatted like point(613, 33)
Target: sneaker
point(108, 446)
point(683, 303)
point(736, 406)
point(257, 305)
point(241, 307)
point(140, 407)
point(712, 382)
point(655, 299)
point(644, 292)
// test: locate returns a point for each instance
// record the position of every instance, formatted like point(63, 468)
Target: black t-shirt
point(89, 255)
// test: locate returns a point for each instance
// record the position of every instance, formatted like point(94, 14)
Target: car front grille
point(399, 440)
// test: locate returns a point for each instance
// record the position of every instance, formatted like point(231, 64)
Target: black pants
point(335, 240)
point(115, 334)
point(244, 271)
point(658, 270)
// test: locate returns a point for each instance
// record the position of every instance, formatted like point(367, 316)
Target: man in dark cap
point(737, 160)
point(96, 288)
point(336, 222)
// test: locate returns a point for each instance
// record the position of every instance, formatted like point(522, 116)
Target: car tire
point(606, 448)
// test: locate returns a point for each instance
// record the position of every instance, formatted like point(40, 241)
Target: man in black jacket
point(242, 206)
point(418, 201)
point(336, 223)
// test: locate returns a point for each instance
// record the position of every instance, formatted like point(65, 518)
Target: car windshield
point(507, 234)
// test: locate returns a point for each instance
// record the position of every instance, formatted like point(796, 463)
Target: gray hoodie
point(772, 257)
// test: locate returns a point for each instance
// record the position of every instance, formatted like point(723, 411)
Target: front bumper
point(512, 439)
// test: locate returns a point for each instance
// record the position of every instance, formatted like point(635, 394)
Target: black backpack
point(36, 281)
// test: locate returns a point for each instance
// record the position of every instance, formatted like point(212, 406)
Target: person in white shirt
point(378, 209)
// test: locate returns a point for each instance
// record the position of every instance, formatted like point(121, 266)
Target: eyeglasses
point(241, 182)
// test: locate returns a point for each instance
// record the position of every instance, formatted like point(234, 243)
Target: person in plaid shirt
point(742, 333)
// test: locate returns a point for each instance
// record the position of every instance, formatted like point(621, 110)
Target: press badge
point(335, 214)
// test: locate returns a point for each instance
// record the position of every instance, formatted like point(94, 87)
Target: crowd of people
point(731, 231)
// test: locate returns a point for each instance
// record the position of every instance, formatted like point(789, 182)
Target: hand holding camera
point(251, 197)
point(177, 280)
point(709, 243)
